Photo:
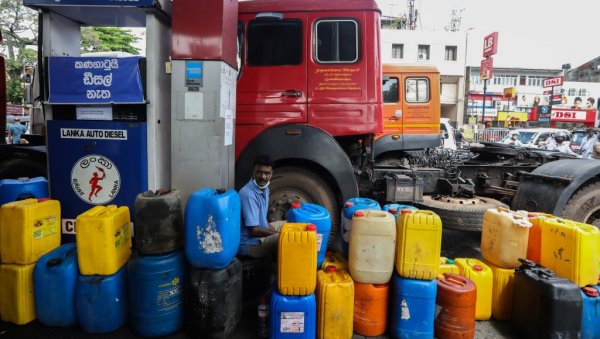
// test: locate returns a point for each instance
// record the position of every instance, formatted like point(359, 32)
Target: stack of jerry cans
point(481, 275)
point(335, 303)
point(293, 308)
point(156, 272)
point(55, 282)
point(505, 237)
point(318, 216)
point(545, 305)
point(417, 266)
point(371, 264)
point(350, 206)
point(23, 188)
point(29, 229)
point(571, 249)
point(214, 274)
point(103, 247)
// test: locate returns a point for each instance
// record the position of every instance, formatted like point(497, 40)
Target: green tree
point(104, 39)
point(19, 29)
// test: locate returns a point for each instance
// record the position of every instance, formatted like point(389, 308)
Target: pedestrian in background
point(16, 130)
point(587, 144)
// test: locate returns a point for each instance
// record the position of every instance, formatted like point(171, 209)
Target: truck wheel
point(290, 184)
point(463, 214)
point(584, 206)
point(21, 167)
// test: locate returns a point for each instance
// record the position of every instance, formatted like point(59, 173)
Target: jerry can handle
point(220, 190)
point(502, 209)
point(54, 262)
point(527, 262)
point(454, 280)
point(162, 191)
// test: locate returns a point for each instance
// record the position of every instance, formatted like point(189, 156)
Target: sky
point(531, 33)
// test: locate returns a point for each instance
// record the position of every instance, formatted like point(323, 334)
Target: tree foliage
point(104, 39)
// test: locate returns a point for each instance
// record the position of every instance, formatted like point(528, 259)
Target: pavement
point(454, 244)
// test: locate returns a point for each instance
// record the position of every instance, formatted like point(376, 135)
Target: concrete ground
point(454, 244)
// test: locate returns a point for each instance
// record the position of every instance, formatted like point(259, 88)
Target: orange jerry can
point(481, 275)
point(534, 244)
point(370, 308)
point(418, 244)
point(297, 259)
point(502, 292)
point(29, 229)
point(455, 307)
point(571, 249)
point(335, 303)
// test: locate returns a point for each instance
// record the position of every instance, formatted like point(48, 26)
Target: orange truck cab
point(411, 109)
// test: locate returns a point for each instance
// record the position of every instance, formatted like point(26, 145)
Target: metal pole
point(550, 104)
point(483, 108)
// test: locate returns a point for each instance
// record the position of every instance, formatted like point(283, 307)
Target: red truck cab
point(308, 62)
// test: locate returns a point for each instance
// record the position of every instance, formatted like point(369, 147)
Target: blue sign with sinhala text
point(120, 3)
point(94, 80)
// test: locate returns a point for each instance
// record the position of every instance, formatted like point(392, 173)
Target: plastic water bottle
point(263, 318)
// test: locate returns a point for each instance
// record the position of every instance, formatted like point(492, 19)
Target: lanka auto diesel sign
point(95, 179)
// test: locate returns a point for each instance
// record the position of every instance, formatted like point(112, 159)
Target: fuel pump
point(204, 62)
point(107, 116)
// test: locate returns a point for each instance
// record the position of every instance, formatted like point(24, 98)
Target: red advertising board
point(490, 44)
point(486, 71)
point(573, 115)
point(551, 82)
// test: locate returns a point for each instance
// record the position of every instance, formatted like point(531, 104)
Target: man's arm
point(257, 231)
point(250, 208)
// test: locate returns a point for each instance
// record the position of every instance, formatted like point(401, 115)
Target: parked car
point(536, 137)
point(447, 134)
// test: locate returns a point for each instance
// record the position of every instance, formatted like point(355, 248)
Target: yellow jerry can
point(504, 236)
point(103, 239)
point(29, 229)
point(297, 259)
point(16, 293)
point(502, 292)
point(419, 244)
point(335, 304)
point(481, 275)
point(448, 265)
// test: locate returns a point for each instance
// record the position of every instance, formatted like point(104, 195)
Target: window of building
point(506, 80)
point(582, 92)
point(572, 91)
point(451, 53)
point(535, 81)
point(337, 41)
point(397, 51)
point(423, 52)
point(274, 43)
point(391, 91)
point(416, 90)
point(522, 80)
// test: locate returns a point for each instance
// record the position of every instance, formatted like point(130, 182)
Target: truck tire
point(21, 167)
point(462, 214)
point(584, 206)
point(291, 184)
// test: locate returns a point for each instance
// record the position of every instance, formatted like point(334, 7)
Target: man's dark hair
point(262, 160)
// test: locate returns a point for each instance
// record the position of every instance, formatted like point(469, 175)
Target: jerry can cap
point(393, 210)
point(451, 261)
point(311, 228)
point(405, 211)
point(349, 203)
point(477, 268)
point(43, 199)
point(380, 285)
point(531, 215)
point(358, 214)
point(590, 291)
point(295, 204)
point(332, 269)
point(329, 254)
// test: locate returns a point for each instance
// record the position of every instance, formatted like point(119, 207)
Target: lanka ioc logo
point(95, 179)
